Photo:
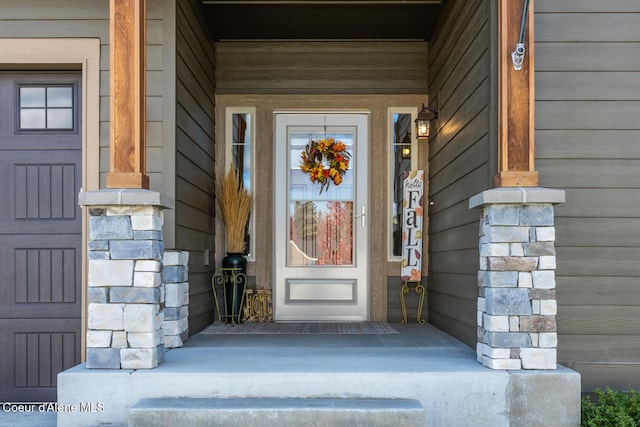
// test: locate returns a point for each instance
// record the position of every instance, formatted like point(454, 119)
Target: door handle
point(362, 216)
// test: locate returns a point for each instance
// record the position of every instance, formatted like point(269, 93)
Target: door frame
point(381, 269)
point(82, 54)
point(361, 293)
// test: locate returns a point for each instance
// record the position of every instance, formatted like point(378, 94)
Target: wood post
point(516, 100)
point(128, 95)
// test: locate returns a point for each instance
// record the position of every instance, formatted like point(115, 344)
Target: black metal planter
point(233, 278)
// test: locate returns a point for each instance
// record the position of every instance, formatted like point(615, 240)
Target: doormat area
point(356, 328)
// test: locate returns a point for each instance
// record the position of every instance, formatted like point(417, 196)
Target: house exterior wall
point(80, 18)
point(587, 108)
point(175, 38)
point(587, 143)
point(194, 156)
point(461, 163)
point(587, 130)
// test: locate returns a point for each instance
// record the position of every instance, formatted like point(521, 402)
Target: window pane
point(46, 107)
point(32, 119)
point(321, 233)
point(60, 118)
point(241, 158)
point(240, 146)
point(300, 185)
point(59, 97)
point(401, 151)
point(321, 223)
point(242, 161)
point(32, 97)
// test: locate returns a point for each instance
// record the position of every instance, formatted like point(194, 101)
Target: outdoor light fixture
point(423, 122)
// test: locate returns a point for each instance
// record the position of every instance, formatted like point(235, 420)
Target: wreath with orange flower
point(326, 161)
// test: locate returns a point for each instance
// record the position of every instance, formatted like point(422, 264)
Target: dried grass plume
point(235, 205)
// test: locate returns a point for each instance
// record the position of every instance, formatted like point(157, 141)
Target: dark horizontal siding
point(594, 86)
point(583, 27)
point(195, 92)
point(459, 163)
point(587, 142)
point(588, 6)
point(321, 67)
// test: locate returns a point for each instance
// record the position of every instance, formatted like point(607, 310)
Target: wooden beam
point(516, 106)
point(128, 96)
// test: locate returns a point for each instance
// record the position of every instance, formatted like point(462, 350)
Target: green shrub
point(611, 408)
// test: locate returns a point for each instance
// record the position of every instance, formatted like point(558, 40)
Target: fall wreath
point(325, 160)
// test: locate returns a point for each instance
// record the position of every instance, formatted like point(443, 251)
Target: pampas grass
point(235, 205)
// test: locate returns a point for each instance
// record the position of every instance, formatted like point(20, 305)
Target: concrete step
point(277, 412)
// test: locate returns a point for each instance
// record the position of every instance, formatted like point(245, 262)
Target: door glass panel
point(320, 223)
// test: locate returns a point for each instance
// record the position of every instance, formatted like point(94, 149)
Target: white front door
point(321, 238)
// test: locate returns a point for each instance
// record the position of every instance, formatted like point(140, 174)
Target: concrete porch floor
point(420, 362)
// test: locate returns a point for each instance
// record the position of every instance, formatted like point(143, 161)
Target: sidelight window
point(240, 137)
point(403, 157)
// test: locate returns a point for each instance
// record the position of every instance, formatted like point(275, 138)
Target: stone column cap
point(517, 196)
point(124, 197)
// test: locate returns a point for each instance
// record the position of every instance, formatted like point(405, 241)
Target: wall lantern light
point(423, 122)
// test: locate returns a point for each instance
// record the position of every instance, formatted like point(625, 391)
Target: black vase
point(235, 282)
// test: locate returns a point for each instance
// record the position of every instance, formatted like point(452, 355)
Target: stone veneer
point(175, 276)
point(517, 304)
point(125, 293)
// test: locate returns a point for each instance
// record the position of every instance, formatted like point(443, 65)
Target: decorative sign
point(412, 214)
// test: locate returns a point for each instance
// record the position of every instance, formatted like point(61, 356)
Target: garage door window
point(46, 108)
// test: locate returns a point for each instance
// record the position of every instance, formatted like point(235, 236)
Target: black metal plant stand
point(232, 284)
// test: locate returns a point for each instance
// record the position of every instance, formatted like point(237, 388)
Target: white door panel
point(321, 238)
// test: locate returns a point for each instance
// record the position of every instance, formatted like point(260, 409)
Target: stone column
point(517, 290)
point(175, 275)
point(125, 299)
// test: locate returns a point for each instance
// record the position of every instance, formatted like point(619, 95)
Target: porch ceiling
point(322, 20)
